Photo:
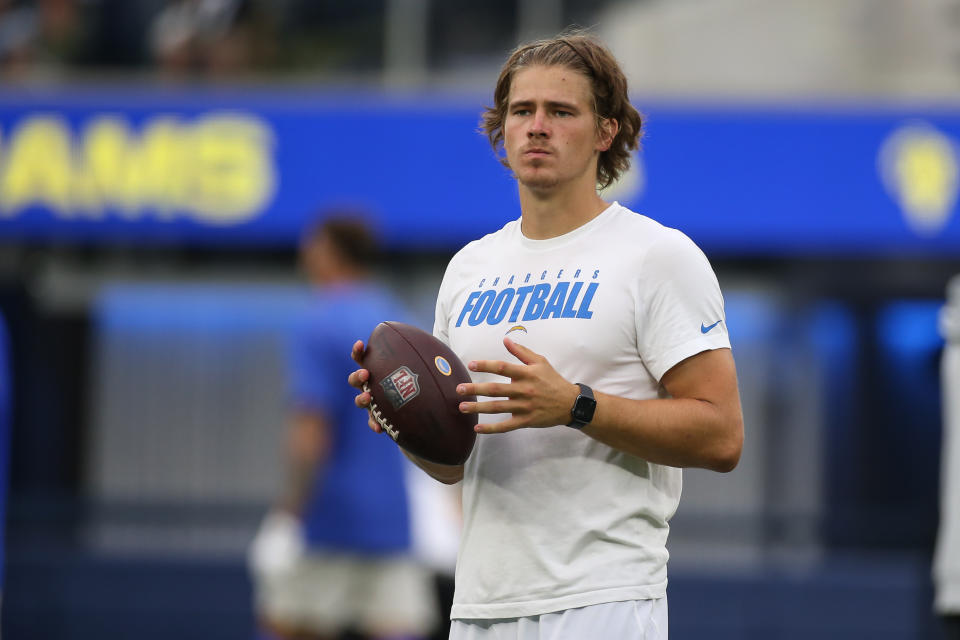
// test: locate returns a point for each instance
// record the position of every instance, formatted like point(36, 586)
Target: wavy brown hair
point(581, 53)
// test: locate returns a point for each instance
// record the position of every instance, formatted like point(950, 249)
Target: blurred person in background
point(334, 555)
point(42, 39)
point(947, 556)
point(565, 526)
point(216, 38)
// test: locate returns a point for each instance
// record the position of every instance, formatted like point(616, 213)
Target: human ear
point(606, 132)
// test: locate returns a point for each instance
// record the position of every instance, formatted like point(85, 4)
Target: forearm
point(699, 424)
point(678, 432)
point(298, 484)
point(447, 474)
point(308, 446)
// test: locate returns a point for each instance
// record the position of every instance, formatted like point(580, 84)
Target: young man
point(597, 344)
point(335, 555)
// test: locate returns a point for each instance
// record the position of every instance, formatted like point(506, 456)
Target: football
point(413, 382)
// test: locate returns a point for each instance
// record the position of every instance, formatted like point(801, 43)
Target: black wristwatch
point(583, 407)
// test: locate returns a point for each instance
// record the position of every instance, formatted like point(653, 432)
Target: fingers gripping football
point(536, 396)
point(358, 379)
point(409, 380)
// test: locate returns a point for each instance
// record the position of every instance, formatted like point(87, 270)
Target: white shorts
point(628, 620)
point(327, 593)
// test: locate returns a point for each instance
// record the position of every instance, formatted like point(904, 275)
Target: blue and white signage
point(252, 168)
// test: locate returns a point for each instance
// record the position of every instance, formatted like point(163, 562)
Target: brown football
point(413, 381)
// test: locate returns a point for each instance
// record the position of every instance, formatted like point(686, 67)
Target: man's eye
point(564, 114)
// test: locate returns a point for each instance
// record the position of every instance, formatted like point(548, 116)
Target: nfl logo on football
point(401, 387)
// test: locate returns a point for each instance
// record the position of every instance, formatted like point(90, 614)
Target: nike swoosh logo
point(706, 329)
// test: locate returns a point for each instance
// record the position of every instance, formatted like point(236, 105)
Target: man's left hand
point(536, 396)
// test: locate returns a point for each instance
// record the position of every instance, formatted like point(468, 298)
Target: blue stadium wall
point(213, 168)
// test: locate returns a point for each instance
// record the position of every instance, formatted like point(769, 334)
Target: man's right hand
point(444, 473)
point(357, 380)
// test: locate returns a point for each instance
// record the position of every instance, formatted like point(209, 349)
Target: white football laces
point(379, 417)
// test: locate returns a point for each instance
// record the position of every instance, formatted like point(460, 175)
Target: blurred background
point(159, 160)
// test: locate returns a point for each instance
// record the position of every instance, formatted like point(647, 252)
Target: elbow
point(725, 462)
point(726, 454)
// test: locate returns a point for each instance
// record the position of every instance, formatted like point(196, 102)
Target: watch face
point(583, 409)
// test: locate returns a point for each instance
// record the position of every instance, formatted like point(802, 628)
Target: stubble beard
point(536, 178)
point(539, 182)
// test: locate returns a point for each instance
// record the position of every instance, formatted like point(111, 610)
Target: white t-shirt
point(554, 519)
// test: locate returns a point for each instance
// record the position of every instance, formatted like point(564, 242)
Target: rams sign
point(253, 167)
point(216, 169)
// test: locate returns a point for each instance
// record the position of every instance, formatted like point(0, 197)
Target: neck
point(550, 213)
point(338, 277)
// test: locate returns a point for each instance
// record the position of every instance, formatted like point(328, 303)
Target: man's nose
point(538, 127)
